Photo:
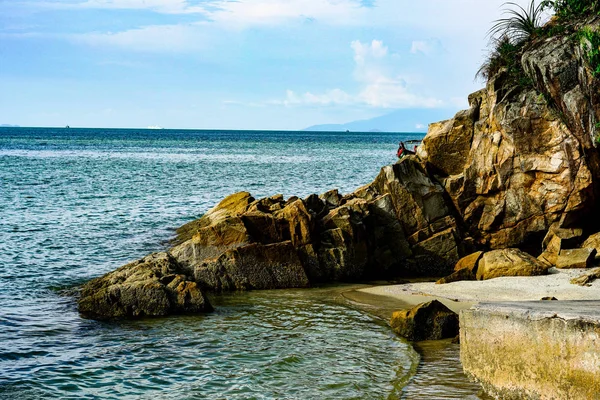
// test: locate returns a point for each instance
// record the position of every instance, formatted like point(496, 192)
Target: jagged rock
point(153, 286)
point(509, 262)
point(253, 267)
point(592, 242)
point(526, 168)
point(464, 270)
point(331, 198)
point(387, 245)
point(212, 240)
point(232, 205)
point(299, 222)
point(427, 321)
point(454, 136)
point(576, 258)
point(558, 239)
point(587, 278)
point(343, 252)
point(549, 258)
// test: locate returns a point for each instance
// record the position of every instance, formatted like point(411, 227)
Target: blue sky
point(245, 64)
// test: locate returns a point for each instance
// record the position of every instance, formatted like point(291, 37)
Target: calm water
point(77, 203)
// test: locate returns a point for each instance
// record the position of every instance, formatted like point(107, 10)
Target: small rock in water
point(427, 321)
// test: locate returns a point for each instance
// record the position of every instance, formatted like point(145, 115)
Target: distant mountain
point(406, 120)
point(9, 126)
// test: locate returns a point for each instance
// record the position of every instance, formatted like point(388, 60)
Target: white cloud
point(380, 86)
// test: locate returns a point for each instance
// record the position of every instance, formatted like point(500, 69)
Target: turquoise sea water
point(77, 203)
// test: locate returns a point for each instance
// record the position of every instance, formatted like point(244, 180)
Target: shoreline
point(438, 368)
point(382, 300)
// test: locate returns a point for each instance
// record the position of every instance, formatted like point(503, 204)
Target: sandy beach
point(464, 294)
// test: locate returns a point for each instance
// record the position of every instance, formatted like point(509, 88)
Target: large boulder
point(576, 258)
point(509, 262)
point(427, 321)
point(153, 286)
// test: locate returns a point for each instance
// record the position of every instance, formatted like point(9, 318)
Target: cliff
point(519, 162)
point(524, 158)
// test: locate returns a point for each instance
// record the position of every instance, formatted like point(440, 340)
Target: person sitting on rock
point(403, 151)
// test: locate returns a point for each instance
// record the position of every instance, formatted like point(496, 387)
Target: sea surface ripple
point(77, 203)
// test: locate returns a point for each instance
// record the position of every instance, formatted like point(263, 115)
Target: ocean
point(77, 203)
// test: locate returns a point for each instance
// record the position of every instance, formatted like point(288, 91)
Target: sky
point(244, 64)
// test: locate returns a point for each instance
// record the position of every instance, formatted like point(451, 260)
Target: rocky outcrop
point(427, 321)
point(509, 262)
point(521, 160)
point(252, 267)
point(398, 225)
point(518, 169)
point(592, 242)
point(153, 286)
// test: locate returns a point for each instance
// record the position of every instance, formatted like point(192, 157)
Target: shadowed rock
point(427, 321)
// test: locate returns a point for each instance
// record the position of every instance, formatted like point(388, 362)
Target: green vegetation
point(520, 23)
point(569, 9)
point(508, 37)
point(590, 41)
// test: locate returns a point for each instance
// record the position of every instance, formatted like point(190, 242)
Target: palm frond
point(519, 23)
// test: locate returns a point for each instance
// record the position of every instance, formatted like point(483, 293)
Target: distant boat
point(155, 127)
point(67, 127)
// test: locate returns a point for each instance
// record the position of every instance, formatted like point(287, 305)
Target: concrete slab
point(533, 350)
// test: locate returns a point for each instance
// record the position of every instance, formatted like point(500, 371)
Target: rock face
point(509, 262)
point(521, 160)
point(427, 321)
point(153, 286)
